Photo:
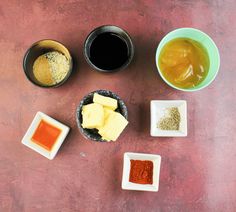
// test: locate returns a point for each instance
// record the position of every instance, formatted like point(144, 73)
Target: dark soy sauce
point(108, 51)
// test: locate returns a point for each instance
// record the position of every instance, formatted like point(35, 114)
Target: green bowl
point(206, 41)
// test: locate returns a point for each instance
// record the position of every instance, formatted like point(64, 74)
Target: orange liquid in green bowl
point(184, 62)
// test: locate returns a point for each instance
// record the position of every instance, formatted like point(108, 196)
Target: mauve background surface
point(198, 173)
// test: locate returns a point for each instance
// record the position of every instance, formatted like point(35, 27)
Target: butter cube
point(113, 126)
point(107, 112)
point(106, 139)
point(93, 116)
point(105, 101)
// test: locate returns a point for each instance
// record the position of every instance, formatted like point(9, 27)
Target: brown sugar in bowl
point(39, 48)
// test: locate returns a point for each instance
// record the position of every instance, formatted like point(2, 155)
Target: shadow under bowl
point(39, 48)
point(92, 134)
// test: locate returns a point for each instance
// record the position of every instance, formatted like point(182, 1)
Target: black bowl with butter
point(40, 48)
point(92, 134)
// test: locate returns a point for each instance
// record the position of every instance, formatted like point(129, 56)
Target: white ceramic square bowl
point(33, 126)
point(158, 108)
point(156, 159)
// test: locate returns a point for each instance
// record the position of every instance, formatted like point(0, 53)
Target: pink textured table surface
point(198, 173)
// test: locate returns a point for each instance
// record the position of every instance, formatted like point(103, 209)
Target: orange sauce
point(46, 135)
point(184, 62)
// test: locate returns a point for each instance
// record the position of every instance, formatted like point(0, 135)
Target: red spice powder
point(141, 171)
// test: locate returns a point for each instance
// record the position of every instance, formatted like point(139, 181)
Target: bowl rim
point(79, 109)
point(159, 50)
point(125, 65)
point(41, 85)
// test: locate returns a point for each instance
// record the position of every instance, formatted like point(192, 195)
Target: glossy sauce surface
point(46, 135)
point(184, 62)
point(108, 51)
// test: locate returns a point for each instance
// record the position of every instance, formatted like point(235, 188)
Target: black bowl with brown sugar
point(48, 63)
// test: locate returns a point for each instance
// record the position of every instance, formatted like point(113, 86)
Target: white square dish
point(27, 139)
point(158, 108)
point(156, 159)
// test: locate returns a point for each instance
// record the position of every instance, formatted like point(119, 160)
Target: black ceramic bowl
point(39, 48)
point(92, 134)
point(114, 30)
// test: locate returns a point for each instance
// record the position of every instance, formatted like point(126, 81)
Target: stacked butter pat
point(102, 115)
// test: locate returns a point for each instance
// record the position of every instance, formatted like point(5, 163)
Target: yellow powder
point(41, 70)
point(51, 68)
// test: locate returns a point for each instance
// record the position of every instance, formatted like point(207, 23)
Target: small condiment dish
point(39, 48)
point(158, 108)
point(202, 38)
point(92, 134)
point(27, 139)
point(127, 185)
